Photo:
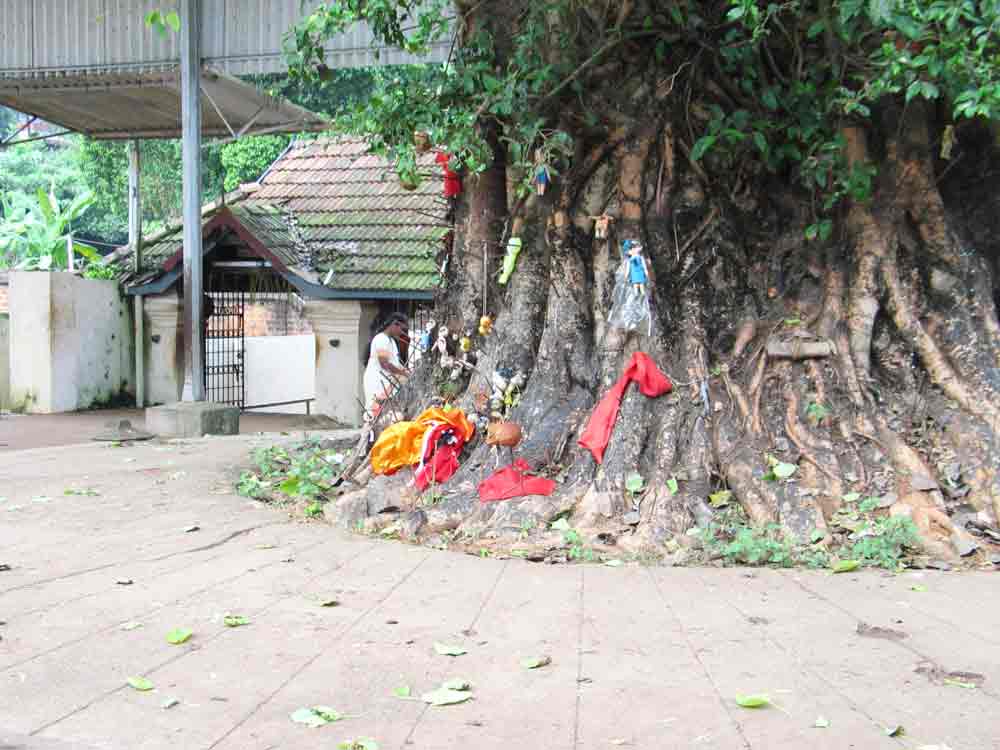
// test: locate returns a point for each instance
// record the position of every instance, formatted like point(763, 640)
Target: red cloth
point(452, 182)
point(510, 482)
point(651, 382)
point(441, 467)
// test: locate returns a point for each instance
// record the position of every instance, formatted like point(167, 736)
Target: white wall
point(70, 342)
point(278, 368)
point(4, 361)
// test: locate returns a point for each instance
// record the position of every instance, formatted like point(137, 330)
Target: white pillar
point(163, 348)
point(341, 330)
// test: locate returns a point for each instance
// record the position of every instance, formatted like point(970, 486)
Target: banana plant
point(34, 235)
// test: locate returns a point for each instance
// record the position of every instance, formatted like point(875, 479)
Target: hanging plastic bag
point(631, 305)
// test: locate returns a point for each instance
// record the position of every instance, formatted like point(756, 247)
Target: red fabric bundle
point(652, 383)
point(452, 182)
point(441, 467)
point(512, 481)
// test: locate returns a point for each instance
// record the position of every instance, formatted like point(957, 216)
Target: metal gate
point(225, 367)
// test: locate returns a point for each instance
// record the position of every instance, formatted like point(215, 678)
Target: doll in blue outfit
point(631, 306)
point(638, 271)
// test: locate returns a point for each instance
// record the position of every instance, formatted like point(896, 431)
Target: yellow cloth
point(400, 444)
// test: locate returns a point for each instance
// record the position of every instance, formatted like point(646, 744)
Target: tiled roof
point(330, 209)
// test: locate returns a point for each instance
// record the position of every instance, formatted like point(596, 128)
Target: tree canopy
point(788, 77)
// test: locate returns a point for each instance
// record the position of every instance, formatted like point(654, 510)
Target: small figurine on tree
point(638, 270)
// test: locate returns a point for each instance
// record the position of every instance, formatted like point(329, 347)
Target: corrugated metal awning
point(148, 104)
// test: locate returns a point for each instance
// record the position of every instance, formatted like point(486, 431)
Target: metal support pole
point(134, 206)
point(191, 134)
point(135, 242)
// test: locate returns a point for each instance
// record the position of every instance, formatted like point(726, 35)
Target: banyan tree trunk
point(871, 360)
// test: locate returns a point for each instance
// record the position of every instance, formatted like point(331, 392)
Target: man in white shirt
point(385, 370)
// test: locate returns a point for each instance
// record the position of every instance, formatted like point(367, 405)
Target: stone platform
point(193, 419)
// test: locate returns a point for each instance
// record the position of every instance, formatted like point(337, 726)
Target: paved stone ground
point(21, 432)
point(642, 657)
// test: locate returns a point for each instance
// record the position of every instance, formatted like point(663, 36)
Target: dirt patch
point(940, 676)
point(874, 631)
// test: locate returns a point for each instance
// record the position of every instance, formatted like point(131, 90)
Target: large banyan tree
point(813, 184)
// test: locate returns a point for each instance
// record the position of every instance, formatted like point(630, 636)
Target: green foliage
point(35, 232)
point(8, 121)
point(578, 550)
point(97, 270)
point(789, 78)
point(634, 483)
point(816, 412)
point(859, 538)
point(779, 470)
point(252, 486)
point(103, 168)
point(163, 22)
point(884, 541)
point(741, 544)
point(247, 159)
point(303, 471)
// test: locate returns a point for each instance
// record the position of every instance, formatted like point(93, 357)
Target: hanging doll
point(468, 358)
point(637, 268)
point(630, 298)
point(441, 347)
point(541, 173)
point(424, 342)
point(601, 225)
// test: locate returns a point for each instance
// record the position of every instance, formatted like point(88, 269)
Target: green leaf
point(536, 662)
point(634, 482)
point(896, 730)
point(703, 144)
point(178, 636)
point(359, 744)
point(817, 535)
point(456, 684)
point(445, 697)
point(445, 650)
point(329, 603)
point(290, 486)
point(753, 701)
point(234, 621)
point(770, 99)
point(140, 683)
point(918, 587)
point(821, 723)
point(846, 566)
point(45, 204)
point(560, 524)
point(672, 487)
point(784, 471)
point(720, 499)
point(316, 716)
point(86, 251)
point(173, 20)
point(851, 497)
point(402, 692)
point(816, 29)
point(960, 683)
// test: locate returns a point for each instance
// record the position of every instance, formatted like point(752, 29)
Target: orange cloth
point(401, 444)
